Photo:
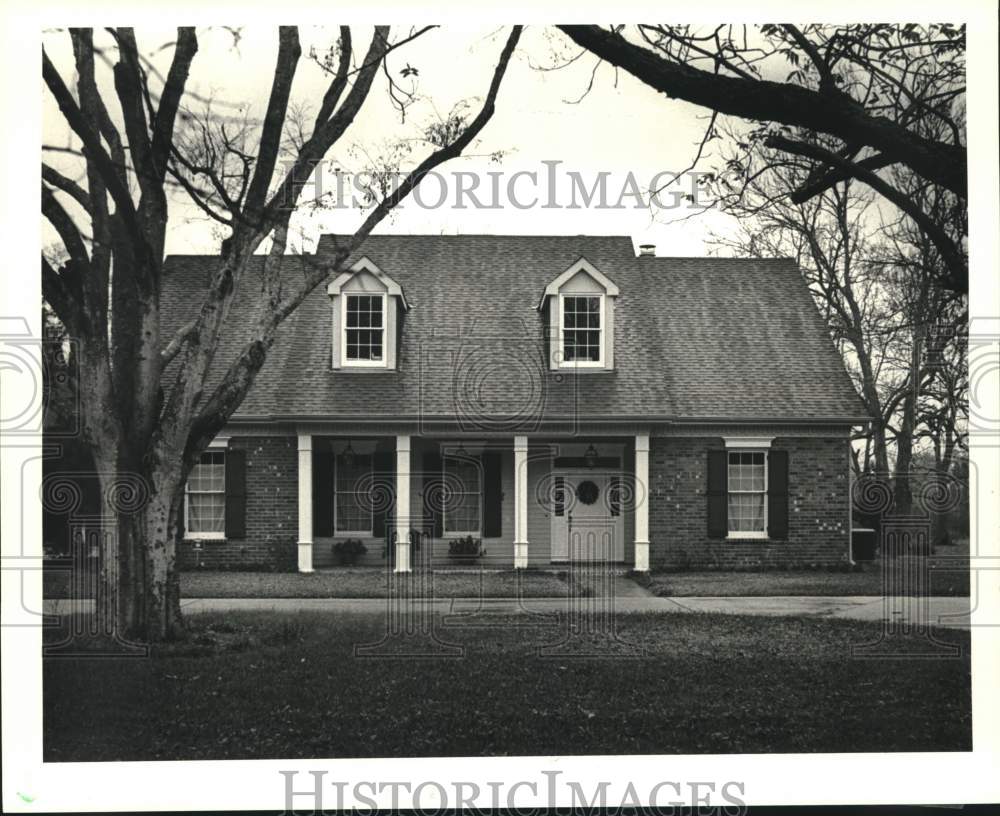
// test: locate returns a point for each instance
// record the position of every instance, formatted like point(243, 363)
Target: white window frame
point(345, 361)
point(599, 362)
point(203, 535)
point(745, 534)
point(370, 532)
point(446, 533)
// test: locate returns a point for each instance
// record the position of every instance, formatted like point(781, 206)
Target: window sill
point(364, 370)
point(581, 370)
point(202, 539)
point(747, 537)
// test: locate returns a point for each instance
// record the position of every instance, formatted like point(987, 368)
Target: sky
point(547, 122)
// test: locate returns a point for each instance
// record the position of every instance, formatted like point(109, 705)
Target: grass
point(350, 582)
point(255, 685)
point(727, 583)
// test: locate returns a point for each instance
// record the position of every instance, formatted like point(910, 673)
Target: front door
point(584, 525)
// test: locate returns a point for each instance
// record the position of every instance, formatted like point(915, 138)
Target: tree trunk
point(150, 607)
point(138, 598)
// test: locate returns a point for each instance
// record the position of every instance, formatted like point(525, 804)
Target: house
point(556, 398)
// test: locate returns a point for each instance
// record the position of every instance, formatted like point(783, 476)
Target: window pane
point(364, 327)
point(206, 513)
point(746, 512)
point(462, 511)
point(746, 471)
point(352, 515)
point(353, 510)
point(209, 475)
point(349, 475)
point(462, 475)
point(462, 515)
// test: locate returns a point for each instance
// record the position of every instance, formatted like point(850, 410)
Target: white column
point(402, 523)
point(520, 502)
point(305, 503)
point(642, 494)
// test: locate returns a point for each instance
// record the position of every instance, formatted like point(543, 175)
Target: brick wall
point(818, 502)
point(271, 513)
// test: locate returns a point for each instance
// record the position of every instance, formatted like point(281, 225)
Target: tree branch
point(835, 114)
point(958, 277)
point(241, 374)
point(177, 342)
point(67, 185)
point(95, 151)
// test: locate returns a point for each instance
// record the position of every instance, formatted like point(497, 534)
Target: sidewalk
point(936, 611)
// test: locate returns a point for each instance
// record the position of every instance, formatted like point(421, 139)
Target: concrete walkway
point(936, 611)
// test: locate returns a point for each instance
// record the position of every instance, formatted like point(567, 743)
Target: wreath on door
point(587, 492)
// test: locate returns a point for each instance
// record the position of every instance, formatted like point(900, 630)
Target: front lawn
point(269, 685)
point(352, 582)
point(728, 583)
point(369, 582)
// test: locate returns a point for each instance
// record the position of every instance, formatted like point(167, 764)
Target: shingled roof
point(695, 338)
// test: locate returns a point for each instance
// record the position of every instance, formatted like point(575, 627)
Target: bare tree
point(874, 277)
point(859, 98)
point(111, 221)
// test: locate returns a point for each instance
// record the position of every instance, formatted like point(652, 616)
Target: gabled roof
point(366, 265)
point(581, 264)
point(695, 338)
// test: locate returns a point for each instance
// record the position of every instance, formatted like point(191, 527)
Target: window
point(206, 497)
point(352, 506)
point(364, 330)
point(747, 487)
point(463, 509)
point(582, 330)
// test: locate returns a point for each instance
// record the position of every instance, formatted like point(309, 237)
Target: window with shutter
point(205, 497)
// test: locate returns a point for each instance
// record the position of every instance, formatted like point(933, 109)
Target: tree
point(860, 98)
point(143, 428)
point(874, 277)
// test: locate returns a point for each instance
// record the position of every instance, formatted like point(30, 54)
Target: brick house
point(553, 398)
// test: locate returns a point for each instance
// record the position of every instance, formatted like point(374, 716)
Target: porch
point(473, 503)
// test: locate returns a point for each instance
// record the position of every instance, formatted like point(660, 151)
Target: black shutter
point(492, 496)
point(181, 517)
point(718, 499)
point(777, 494)
point(431, 494)
point(236, 494)
point(383, 469)
point(323, 493)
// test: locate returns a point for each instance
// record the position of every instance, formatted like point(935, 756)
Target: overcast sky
point(620, 127)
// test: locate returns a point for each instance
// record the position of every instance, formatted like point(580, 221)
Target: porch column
point(305, 503)
point(642, 493)
point(402, 522)
point(520, 502)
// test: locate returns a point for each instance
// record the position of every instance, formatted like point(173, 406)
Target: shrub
point(348, 551)
point(467, 548)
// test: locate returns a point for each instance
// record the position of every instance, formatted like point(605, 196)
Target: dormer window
point(367, 313)
point(582, 341)
point(364, 330)
point(579, 304)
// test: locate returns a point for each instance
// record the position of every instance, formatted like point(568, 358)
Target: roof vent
point(647, 250)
